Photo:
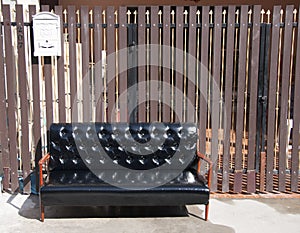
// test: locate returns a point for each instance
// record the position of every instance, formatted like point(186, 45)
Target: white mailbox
point(47, 34)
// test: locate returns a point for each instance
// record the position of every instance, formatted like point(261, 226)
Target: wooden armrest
point(41, 162)
point(203, 157)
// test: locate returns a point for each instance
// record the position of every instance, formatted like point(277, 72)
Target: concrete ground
point(20, 213)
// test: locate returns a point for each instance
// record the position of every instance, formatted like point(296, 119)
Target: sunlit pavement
point(20, 213)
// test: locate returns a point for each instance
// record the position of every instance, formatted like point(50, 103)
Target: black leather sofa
point(120, 164)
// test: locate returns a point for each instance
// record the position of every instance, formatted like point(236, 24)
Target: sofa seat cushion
point(82, 188)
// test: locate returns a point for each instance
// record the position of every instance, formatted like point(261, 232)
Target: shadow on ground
point(110, 219)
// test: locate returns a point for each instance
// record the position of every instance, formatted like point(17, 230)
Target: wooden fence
point(234, 70)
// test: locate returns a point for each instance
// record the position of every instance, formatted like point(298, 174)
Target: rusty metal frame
point(41, 181)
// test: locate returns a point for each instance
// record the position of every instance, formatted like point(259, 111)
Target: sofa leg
point(206, 211)
point(42, 208)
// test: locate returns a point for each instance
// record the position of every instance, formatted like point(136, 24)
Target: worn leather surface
point(113, 164)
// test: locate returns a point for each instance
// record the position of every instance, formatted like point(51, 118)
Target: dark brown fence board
point(191, 66)
point(179, 53)
point(45, 7)
point(23, 87)
point(141, 65)
point(215, 111)
point(48, 89)
point(98, 62)
point(154, 88)
point(111, 68)
point(284, 96)
point(203, 78)
point(166, 64)
point(296, 118)
point(228, 96)
point(3, 120)
point(48, 84)
point(11, 93)
point(253, 79)
point(272, 98)
point(85, 49)
point(123, 63)
point(240, 98)
point(61, 71)
point(36, 98)
point(72, 62)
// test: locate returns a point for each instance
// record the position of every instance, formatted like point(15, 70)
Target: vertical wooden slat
point(11, 91)
point(178, 98)
point(203, 78)
point(272, 98)
point(264, 106)
point(72, 62)
point(284, 95)
point(215, 111)
point(296, 118)
point(48, 84)
point(132, 67)
point(111, 68)
point(85, 42)
point(48, 89)
point(123, 62)
point(166, 65)
point(228, 96)
point(253, 98)
point(154, 88)
point(141, 65)
point(36, 99)
point(3, 120)
point(61, 71)
point(98, 62)
point(191, 66)
point(23, 98)
point(240, 99)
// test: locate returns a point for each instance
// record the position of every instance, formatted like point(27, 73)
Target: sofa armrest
point(42, 161)
point(204, 158)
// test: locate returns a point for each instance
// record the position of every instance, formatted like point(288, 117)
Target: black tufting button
point(63, 133)
point(90, 133)
point(129, 159)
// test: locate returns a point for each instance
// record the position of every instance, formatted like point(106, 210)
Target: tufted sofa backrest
point(137, 146)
